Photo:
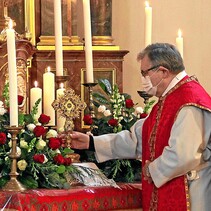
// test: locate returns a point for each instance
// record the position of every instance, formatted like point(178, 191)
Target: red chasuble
point(155, 135)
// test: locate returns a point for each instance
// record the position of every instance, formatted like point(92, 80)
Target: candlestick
point(13, 184)
point(144, 95)
point(49, 94)
point(58, 37)
point(60, 119)
point(13, 90)
point(35, 94)
point(179, 42)
point(148, 24)
point(88, 42)
point(91, 104)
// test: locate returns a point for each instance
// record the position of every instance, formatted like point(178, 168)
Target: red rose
point(44, 119)
point(129, 103)
point(39, 131)
point(113, 122)
point(59, 159)
point(3, 138)
point(20, 99)
point(67, 161)
point(39, 158)
point(88, 119)
point(143, 115)
point(54, 143)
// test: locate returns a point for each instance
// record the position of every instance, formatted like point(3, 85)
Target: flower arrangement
point(43, 160)
point(116, 112)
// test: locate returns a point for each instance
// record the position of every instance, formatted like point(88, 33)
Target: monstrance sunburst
point(69, 106)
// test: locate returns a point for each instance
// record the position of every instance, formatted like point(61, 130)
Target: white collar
point(175, 80)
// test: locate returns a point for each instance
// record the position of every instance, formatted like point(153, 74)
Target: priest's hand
point(79, 140)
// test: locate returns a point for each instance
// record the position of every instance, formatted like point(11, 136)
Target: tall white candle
point(35, 94)
point(179, 42)
point(58, 37)
point(60, 120)
point(88, 42)
point(49, 94)
point(148, 24)
point(13, 90)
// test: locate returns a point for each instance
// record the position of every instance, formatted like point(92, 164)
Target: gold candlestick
point(90, 91)
point(13, 184)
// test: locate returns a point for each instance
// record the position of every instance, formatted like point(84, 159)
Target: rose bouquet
point(115, 112)
point(43, 158)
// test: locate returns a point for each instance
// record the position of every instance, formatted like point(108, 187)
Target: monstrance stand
point(13, 184)
point(69, 106)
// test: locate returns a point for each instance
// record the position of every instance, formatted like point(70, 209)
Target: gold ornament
point(69, 106)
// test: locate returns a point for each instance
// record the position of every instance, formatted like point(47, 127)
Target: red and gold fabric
point(79, 198)
point(155, 135)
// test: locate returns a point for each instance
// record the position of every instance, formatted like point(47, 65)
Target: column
point(101, 20)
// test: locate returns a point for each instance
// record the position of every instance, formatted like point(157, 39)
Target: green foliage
point(44, 173)
point(115, 102)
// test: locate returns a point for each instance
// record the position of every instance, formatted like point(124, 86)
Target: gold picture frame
point(99, 73)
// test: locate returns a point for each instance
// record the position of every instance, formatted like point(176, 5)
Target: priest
point(174, 141)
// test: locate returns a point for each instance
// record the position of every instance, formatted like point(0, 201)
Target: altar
point(78, 198)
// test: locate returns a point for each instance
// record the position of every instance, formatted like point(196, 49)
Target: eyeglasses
point(145, 72)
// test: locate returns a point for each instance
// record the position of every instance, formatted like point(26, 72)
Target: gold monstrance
point(69, 106)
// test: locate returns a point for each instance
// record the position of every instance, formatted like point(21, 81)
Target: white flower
point(101, 108)
point(23, 144)
point(57, 151)
point(36, 117)
point(10, 143)
point(139, 110)
point(45, 159)
point(51, 133)
point(9, 135)
point(40, 144)
point(2, 110)
point(31, 126)
point(18, 151)
point(22, 165)
point(107, 113)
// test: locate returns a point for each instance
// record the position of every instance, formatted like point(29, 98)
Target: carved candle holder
point(144, 95)
point(90, 91)
point(13, 184)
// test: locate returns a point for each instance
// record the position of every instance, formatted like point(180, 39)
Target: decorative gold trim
point(50, 40)
point(52, 48)
point(30, 19)
point(102, 40)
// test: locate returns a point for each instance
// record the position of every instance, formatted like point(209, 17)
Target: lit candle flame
point(61, 85)
point(49, 69)
point(146, 3)
point(35, 84)
point(179, 33)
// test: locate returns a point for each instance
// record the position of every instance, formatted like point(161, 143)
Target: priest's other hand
point(79, 140)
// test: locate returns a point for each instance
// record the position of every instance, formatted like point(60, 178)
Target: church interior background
point(118, 34)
